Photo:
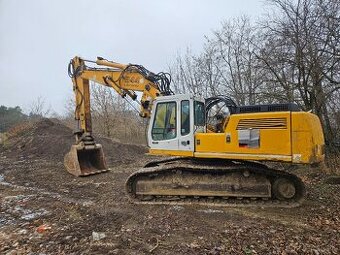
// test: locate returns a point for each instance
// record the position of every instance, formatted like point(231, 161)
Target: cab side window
point(185, 117)
point(199, 113)
point(164, 125)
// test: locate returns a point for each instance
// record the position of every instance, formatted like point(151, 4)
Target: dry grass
point(3, 138)
point(19, 128)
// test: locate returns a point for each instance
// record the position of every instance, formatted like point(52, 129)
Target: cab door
point(163, 133)
point(185, 122)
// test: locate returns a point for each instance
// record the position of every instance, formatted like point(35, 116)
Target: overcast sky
point(39, 37)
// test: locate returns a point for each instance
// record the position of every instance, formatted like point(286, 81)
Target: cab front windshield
point(164, 125)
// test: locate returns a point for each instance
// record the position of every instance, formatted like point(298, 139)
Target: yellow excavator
point(216, 149)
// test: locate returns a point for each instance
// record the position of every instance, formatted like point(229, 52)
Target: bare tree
point(114, 117)
point(301, 55)
point(102, 108)
point(38, 108)
point(227, 64)
point(186, 76)
point(291, 56)
point(236, 59)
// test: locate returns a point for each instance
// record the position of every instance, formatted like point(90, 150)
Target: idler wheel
point(284, 189)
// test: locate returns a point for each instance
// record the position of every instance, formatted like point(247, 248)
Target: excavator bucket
point(83, 161)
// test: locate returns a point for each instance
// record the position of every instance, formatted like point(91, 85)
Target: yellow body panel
point(171, 152)
point(243, 156)
point(272, 141)
point(294, 137)
point(307, 138)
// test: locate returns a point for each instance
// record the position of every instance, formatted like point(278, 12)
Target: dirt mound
point(50, 139)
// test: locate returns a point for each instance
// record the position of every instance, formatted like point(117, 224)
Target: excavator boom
point(87, 157)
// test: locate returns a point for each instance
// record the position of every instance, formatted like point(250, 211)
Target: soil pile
point(50, 139)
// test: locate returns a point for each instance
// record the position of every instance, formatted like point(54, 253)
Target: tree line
point(11, 116)
point(292, 54)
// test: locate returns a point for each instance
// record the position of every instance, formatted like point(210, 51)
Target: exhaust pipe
point(85, 160)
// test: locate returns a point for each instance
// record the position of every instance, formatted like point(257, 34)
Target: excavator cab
point(174, 122)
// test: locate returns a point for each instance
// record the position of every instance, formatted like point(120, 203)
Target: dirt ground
point(45, 210)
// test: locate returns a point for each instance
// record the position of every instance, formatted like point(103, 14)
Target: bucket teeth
point(85, 160)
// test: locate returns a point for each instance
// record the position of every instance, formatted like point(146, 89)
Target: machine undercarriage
point(214, 182)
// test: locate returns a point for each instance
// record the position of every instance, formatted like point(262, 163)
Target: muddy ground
point(45, 210)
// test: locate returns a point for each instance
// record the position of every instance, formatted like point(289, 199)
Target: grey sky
point(39, 37)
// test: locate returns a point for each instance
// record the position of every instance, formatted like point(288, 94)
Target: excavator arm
point(86, 157)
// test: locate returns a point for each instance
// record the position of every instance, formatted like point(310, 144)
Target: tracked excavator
point(216, 150)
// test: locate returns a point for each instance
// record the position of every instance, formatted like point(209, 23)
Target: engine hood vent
point(262, 123)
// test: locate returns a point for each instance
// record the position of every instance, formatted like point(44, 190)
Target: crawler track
point(214, 182)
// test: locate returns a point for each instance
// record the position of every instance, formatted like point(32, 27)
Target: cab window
point(164, 125)
point(199, 114)
point(185, 117)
